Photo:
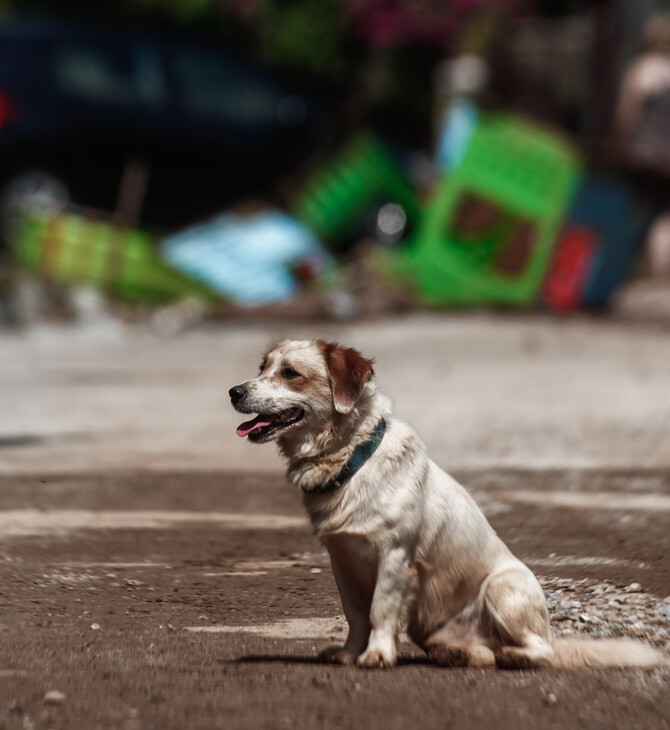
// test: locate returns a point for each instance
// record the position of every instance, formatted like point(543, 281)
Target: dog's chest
point(351, 512)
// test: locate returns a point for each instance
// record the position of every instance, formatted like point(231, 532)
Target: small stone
point(633, 588)
point(95, 627)
point(315, 571)
point(54, 697)
point(551, 699)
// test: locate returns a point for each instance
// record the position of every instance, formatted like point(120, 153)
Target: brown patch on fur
point(349, 371)
point(308, 380)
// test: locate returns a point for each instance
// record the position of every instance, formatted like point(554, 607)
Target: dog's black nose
point(237, 393)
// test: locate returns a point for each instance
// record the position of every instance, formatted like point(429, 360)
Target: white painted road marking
point(294, 628)
point(24, 522)
point(589, 500)
point(116, 565)
point(557, 561)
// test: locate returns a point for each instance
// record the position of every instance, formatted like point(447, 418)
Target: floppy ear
point(349, 371)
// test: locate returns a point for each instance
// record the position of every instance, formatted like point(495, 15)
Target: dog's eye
point(262, 367)
point(289, 373)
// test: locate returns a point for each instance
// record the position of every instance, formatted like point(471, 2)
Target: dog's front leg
point(355, 591)
point(390, 594)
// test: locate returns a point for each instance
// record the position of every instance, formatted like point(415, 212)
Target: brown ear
point(349, 371)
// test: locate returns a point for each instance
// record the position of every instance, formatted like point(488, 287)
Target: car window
point(149, 77)
point(109, 76)
point(207, 84)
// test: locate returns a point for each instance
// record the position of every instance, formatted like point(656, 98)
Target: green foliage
point(304, 34)
point(180, 10)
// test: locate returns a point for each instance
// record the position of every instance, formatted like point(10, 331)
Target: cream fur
point(409, 547)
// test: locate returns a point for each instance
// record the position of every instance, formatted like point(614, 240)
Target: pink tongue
point(244, 429)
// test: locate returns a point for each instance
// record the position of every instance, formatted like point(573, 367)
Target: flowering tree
point(393, 23)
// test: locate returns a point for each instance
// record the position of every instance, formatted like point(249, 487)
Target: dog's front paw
point(337, 655)
point(376, 659)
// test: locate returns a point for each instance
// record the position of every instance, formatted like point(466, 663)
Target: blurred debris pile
point(543, 181)
point(514, 221)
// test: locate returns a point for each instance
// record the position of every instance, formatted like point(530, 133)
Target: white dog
point(409, 547)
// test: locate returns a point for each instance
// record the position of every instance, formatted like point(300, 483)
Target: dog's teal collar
point(361, 454)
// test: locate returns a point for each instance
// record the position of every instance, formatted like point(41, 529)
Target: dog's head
point(301, 385)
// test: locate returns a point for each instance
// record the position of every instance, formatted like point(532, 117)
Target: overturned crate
point(122, 262)
point(488, 233)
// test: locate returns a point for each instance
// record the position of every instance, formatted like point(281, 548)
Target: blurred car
point(78, 103)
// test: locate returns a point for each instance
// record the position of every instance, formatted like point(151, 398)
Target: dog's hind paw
point(449, 656)
point(337, 655)
point(512, 657)
point(375, 659)
point(536, 653)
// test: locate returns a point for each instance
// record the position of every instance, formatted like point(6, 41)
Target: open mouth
point(266, 424)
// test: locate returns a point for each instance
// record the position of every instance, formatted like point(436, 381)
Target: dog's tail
point(577, 653)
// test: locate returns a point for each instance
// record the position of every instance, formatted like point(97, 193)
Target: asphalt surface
point(157, 572)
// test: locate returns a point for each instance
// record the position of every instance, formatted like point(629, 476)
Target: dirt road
point(192, 600)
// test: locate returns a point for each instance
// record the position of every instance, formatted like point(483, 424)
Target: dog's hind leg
point(459, 645)
point(463, 655)
point(533, 652)
point(514, 613)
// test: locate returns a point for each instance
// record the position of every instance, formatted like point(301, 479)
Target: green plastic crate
point(120, 261)
point(489, 232)
point(336, 201)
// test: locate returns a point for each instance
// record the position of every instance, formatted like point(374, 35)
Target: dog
point(409, 548)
